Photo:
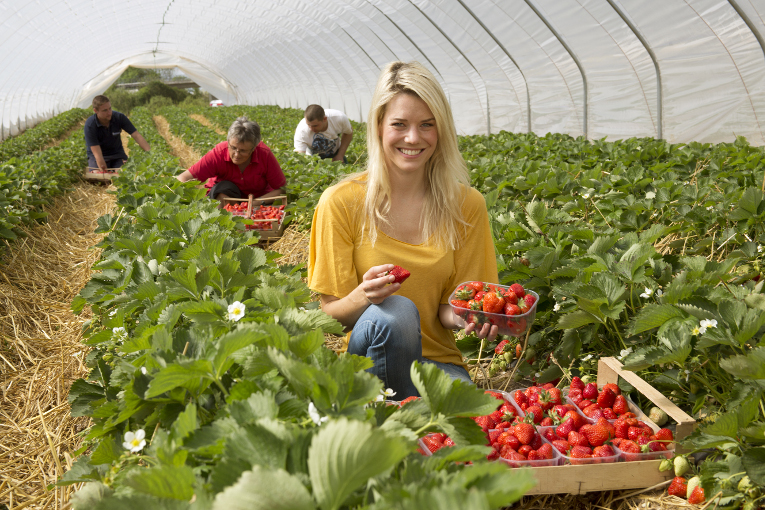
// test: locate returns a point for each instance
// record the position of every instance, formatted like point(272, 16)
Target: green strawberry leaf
point(575, 320)
point(177, 375)
point(344, 454)
point(265, 489)
point(754, 463)
point(652, 316)
point(176, 482)
point(747, 366)
point(449, 397)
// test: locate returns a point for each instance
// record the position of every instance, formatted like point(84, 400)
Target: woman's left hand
point(487, 331)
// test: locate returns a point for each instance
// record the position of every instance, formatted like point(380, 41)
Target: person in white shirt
point(325, 133)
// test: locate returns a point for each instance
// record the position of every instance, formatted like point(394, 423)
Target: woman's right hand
point(376, 285)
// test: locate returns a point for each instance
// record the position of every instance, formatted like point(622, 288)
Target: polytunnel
point(680, 70)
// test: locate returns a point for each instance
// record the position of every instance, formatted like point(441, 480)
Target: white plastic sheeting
point(680, 69)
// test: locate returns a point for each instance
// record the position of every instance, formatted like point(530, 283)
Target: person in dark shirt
point(102, 137)
point(242, 165)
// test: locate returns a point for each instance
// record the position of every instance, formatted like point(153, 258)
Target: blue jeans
point(389, 333)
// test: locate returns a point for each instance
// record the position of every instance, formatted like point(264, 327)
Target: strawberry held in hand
point(399, 273)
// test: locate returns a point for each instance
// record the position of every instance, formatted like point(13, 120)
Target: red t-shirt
point(261, 176)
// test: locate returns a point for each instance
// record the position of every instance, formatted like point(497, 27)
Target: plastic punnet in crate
point(550, 412)
point(578, 461)
point(554, 461)
point(512, 325)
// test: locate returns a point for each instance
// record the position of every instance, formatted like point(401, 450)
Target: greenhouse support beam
point(644, 42)
point(749, 24)
point(485, 88)
point(502, 47)
point(571, 53)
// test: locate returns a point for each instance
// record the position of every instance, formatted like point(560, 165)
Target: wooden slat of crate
point(598, 477)
point(616, 475)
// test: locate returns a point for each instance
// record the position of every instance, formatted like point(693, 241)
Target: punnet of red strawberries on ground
point(268, 217)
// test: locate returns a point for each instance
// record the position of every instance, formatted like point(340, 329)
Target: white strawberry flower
point(143, 370)
point(698, 330)
point(586, 196)
point(709, 208)
point(587, 358)
point(135, 441)
point(650, 195)
point(659, 293)
point(624, 352)
point(314, 414)
point(235, 311)
point(687, 375)
point(708, 323)
point(647, 293)
point(556, 307)
point(119, 334)
point(387, 392)
point(760, 248)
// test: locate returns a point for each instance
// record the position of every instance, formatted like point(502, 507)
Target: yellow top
point(339, 257)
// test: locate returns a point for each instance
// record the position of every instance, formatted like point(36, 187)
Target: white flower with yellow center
point(235, 311)
point(708, 323)
point(556, 307)
point(135, 441)
point(586, 196)
point(647, 293)
point(119, 334)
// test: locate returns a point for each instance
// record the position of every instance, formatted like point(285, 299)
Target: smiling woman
point(238, 167)
point(413, 207)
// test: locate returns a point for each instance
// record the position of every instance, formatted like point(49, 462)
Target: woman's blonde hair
point(446, 171)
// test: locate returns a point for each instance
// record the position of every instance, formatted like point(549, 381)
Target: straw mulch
point(180, 149)
point(40, 350)
point(205, 122)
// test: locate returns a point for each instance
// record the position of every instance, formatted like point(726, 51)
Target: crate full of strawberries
point(511, 308)
point(267, 219)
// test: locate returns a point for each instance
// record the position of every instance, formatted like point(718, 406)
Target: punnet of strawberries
point(511, 308)
point(264, 212)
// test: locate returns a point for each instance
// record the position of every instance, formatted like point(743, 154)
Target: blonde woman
point(412, 207)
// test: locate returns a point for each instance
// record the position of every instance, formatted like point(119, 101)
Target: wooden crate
point(91, 176)
point(619, 475)
point(276, 230)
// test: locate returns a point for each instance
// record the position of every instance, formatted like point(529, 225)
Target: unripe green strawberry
point(681, 465)
point(658, 416)
point(692, 484)
point(665, 465)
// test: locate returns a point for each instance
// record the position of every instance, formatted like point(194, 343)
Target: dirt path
point(205, 122)
point(66, 135)
point(41, 353)
point(185, 153)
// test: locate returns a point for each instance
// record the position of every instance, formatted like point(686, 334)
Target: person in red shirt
point(238, 167)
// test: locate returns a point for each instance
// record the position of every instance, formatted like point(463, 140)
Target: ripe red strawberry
point(525, 449)
point(565, 428)
point(577, 439)
point(520, 397)
point(524, 432)
point(516, 456)
point(664, 435)
point(464, 292)
point(561, 445)
point(494, 436)
point(697, 496)
point(496, 416)
point(400, 274)
point(477, 286)
point(518, 290)
point(432, 442)
point(590, 391)
point(579, 452)
point(546, 422)
point(603, 451)
point(536, 443)
point(536, 412)
point(620, 405)
point(500, 348)
point(512, 309)
point(613, 387)
point(448, 441)
point(549, 434)
point(606, 398)
point(508, 438)
point(494, 455)
point(634, 432)
point(609, 414)
point(459, 303)
point(599, 433)
point(510, 297)
point(576, 384)
point(621, 428)
point(579, 420)
point(409, 399)
point(593, 411)
point(545, 451)
point(493, 302)
point(678, 487)
point(529, 300)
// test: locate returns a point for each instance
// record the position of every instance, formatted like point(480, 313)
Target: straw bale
point(40, 346)
point(205, 122)
point(180, 149)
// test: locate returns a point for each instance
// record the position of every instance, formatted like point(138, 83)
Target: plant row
point(27, 183)
point(211, 388)
point(36, 138)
